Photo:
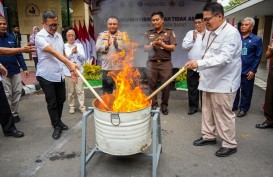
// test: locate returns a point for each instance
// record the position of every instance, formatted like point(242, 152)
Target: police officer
point(159, 43)
point(109, 44)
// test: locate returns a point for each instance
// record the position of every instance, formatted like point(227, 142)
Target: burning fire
point(128, 95)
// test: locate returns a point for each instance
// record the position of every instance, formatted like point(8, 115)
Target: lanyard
point(208, 45)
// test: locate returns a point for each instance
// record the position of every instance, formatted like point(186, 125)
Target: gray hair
point(252, 21)
point(49, 14)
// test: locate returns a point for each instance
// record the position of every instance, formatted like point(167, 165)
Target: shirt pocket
point(215, 47)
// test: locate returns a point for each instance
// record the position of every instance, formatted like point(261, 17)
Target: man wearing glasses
point(50, 50)
point(192, 43)
point(220, 70)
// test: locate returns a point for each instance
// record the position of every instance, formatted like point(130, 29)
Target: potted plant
point(93, 74)
point(181, 81)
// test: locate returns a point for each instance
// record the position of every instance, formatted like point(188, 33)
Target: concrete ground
point(37, 154)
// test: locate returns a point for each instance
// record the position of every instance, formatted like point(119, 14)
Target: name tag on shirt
point(244, 51)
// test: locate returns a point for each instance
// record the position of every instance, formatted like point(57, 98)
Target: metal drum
point(123, 133)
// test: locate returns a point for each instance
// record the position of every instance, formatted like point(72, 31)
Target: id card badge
point(244, 51)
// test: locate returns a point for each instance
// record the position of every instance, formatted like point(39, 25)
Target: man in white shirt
point(192, 43)
point(220, 70)
point(50, 51)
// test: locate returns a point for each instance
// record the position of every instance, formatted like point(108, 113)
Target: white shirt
point(77, 58)
point(49, 67)
point(220, 70)
point(194, 48)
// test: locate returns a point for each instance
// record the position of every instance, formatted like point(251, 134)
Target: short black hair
point(71, 28)
point(15, 26)
point(48, 14)
point(198, 16)
point(214, 8)
point(114, 17)
point(158, 13)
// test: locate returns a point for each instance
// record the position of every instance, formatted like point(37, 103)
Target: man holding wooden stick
point(220, 71)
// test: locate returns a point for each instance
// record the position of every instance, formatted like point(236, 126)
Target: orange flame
point(128, 95)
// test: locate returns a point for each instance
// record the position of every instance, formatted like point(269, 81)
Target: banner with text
point(134, 17)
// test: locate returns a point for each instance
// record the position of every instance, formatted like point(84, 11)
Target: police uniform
point(110, 61)
point(159, 65)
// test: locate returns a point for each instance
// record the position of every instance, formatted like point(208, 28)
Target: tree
point(233, 3)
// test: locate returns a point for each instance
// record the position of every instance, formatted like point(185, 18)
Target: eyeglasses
point(198, 23)
point(208, 19)
point(53, 25)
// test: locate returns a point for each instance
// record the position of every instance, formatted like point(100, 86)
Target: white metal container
point(123, 133)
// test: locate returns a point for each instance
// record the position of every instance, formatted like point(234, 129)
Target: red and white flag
point(233, 21)
point(82, 38)
point(1, 8)
point(77, 31)
point(92, 40)
point(87, 42)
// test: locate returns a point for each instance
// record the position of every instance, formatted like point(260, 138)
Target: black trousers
point(161, 71)
point(268, 109)
point(108, 84)
point(193, 92)
point(5, 112)
point(244, 94)
point(55, 98)
point(35, 61)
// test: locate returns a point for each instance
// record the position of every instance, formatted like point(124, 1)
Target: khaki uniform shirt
point(158, 53)
point(108, 57)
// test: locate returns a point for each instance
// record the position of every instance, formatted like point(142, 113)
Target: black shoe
point(15, 133)
point(164, 110)
point(57, 133)
point(224, 151)
point(192, 112)
point(16, 119)
point(241, 114)
point(264, 126)
point(203, 142)
point(63, 126)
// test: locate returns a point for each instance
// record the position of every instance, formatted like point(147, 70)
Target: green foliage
point(92, 72)
point(182, 76)
point(233, 3)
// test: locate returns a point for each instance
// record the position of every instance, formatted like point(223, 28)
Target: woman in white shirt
point(75, 53)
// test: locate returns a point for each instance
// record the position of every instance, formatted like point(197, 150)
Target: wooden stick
point(92, 90)
point(166, 83)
